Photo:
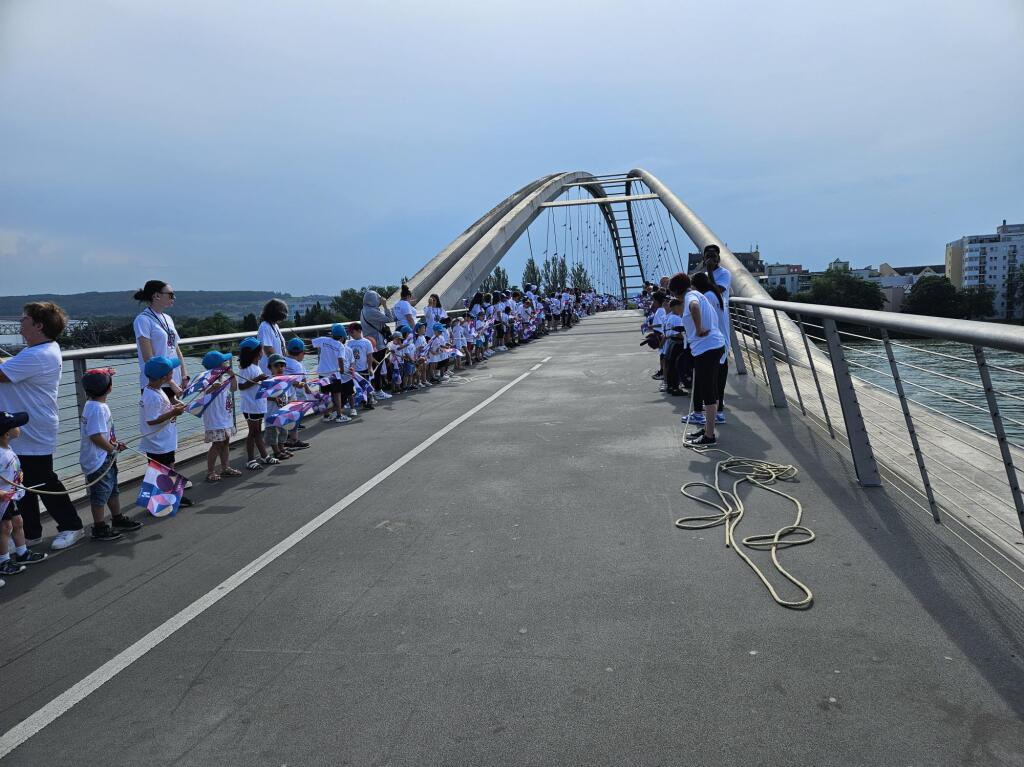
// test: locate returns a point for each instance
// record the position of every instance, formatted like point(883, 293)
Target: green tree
point(318, 314)
point(250, 322)
point(934, 297)
point(531, 274)
point(348, 304)
point(779, 292)
point(497, 280)
point(554, 273)
point(840, 288)
point(578, 277)
point(976, 302)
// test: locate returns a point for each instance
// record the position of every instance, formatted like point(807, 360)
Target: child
point(97, 456)
point(12, 563)
point(276, 435)
point(362, 355)
point(436, 358)
point(254, 409)
point(156, 415)
point(459, 340)
point(218, 419)
point(293, 366)
point(420, 345)
point(335, 362)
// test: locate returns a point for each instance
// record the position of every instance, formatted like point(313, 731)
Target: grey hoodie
point(373, 320)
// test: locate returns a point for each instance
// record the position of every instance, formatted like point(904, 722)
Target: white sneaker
point(342, 419)
point(353, 413)
point(383, 395)
point(329, 417)
point(67, 539)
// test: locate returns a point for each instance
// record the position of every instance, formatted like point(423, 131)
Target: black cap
point(96, 382)
point(9, 420)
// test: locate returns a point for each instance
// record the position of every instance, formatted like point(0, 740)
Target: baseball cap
point(158, 367)
point(275, 359)
point(249, 343)
point(437, 327)
point(96, 382)
point(403, 329)
point(9, 420)
point(337, 330)
point(296, 345)
point(215, 359)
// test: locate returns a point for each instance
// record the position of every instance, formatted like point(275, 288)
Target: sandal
point(271, 460)
point(213, 477)
point(231, 472)
point(254, 465)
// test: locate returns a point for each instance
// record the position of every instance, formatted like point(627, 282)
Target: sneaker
point(368, 406)
point(719, 417)
point(342, 419)
point(353, 413)
point(125, 524)
point(663, 388)
point(29, 557)
point(657, 376)
point(703, 440)
point(694, 435)
point(678, 393)
point(693, 418)
point(186, 502)
point(300, 445)
point(67, 539)
point(383, 395)
point(10, 568)
point(188, 484)
point(104, 533)
point(329, 417)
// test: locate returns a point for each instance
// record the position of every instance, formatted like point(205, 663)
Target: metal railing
point(933, 407)
point(123, 399)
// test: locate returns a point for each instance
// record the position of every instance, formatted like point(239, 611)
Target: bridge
point(490, 573)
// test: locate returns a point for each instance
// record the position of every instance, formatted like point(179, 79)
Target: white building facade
point(994, 260)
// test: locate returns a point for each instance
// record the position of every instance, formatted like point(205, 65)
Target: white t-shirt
point(96, 419)
point(34, 375)
point(401, 309)
point(162, 438)
point(331, 351)
point(433, 314)
point(723, 277)
point(708, 319)
point(723, 314)
point(10, 469)
point(674, 326)
point(362, 352)
point(269, 335)
point(658, 320)
point(250, 404)
point(219, 414)
point(163, 336)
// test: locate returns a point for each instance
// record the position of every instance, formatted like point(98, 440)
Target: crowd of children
point(275, 391)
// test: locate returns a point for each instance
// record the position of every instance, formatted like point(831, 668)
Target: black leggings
point(38, 469)
point(706, 369)
point(676, 348)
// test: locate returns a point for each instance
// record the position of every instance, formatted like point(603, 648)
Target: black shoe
point(369, 407)
point(104, 533)
point(298, 445)
point(28, 558)
point(704, 440)
point(695, 434)
point(10, 568)
point(658, 376)
point(125, 523)
point(186, 502)
point(678, 393)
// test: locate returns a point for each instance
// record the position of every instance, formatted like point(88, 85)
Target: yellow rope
point(730, 511)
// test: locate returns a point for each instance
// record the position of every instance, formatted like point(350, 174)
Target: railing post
point(737, 355)
point(997, 424)
point(814, 375)
point(746, 345)
point(789, 361)
point(856, 432)
point(771, 371)
point(79, 366)
point(910, 426)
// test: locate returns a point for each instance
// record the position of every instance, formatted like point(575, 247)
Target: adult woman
point(405, 312)
point(28, 383)
point(707, 346)
point(155, 334)
point(476, 305)
point(374, 317)
point(434, 312)
point(716, 296)
point(269, 334)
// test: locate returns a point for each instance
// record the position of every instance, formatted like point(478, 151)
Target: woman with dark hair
point(155, 334)
point(434, 312)
point(269, 334)
point(706, 345)
point(476, 305)
point(715, 294)
point(28, 384)
point(405, 312)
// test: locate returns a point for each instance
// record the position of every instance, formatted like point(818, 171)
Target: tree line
point(552, 275)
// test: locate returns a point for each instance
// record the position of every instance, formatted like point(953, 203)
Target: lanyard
point(172, 339)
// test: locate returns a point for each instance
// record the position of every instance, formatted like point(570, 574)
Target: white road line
point(535, 367)
point(78, 692)
point(544, 360)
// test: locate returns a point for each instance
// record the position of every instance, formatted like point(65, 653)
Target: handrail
point(1007, 337)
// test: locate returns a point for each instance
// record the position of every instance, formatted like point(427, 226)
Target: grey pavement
point(518, 595)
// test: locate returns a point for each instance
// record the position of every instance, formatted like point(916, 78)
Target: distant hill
point(188, 303)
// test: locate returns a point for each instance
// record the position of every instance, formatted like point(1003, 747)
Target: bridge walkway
point(516, 594)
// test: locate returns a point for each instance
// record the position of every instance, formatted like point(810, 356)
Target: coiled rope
point(730, 510)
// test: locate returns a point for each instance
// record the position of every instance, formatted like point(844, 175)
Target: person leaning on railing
point(155, 334)
point(28, 383)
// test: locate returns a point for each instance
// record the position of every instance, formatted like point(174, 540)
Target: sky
point(311, 146)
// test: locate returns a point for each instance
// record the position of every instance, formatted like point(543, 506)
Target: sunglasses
point(168, 293)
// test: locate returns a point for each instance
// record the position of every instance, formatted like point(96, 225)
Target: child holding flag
point(156, 414)
point(276, 435)
point(218, 417)
point(97, 456)
point(293, 366)
point(254, 408)
point(12, 562)
point(362, 354)
point(334, 362)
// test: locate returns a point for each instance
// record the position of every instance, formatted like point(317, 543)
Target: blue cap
point(215, 359)
point(437, 327)
point(158, 367)
point(250, 343)
point(296, 345)
point(338, 330)
point(421, 326)
point(403, 329)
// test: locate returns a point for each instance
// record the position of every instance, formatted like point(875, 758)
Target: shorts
point(334, 387)
point(106, 486)
point(167, 459)
point(254, 417)
point(347, 389)
point(218, 435)
point(10, 511)
point(408, 368)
